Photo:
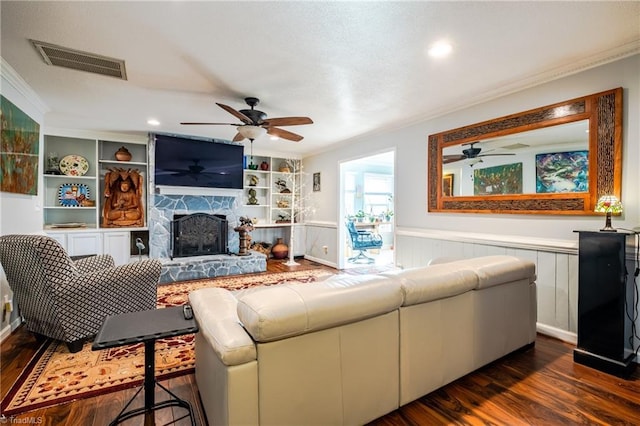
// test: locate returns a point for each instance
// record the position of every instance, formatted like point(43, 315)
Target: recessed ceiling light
point(440, 49)
point(153, 122)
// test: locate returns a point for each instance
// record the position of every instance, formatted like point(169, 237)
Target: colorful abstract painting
point(498, 180)
point(562, 172)
point(19, 146)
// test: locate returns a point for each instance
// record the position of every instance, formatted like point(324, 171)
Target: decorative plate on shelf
point(72, 194)
point(74, 165)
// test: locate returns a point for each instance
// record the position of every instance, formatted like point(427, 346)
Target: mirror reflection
point(542, 161)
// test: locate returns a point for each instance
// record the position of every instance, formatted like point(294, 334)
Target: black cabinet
point(605, 303)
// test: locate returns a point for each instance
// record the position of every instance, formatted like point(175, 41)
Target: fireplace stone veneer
point(161, 214)
point(218, 265)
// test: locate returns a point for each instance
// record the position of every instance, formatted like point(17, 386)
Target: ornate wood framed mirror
point(556, 159)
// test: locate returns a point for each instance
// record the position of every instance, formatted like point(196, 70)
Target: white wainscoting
point(321, 242)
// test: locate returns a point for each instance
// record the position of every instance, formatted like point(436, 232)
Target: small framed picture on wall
point(316, 182)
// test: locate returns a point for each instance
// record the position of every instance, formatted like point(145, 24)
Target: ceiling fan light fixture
point(251, 132)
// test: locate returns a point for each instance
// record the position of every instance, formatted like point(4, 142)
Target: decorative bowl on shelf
point(123, 154)
point(253, 166)
point(284, 167)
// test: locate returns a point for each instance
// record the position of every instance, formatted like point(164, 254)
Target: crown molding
point(21, 86)
point(605, 57)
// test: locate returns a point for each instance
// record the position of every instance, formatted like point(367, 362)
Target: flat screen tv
point(181, 161)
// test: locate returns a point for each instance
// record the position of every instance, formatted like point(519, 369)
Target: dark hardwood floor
point(538, 386)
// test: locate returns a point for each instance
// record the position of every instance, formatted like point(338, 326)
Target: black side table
point(605, 303)
point(147, 327)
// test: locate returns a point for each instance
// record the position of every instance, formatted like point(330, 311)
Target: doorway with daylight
point(367, 225)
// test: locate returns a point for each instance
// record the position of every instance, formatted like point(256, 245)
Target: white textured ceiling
point(353, 67)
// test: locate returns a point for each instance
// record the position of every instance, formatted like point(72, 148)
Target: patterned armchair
point(362, 240)
point(68, 300)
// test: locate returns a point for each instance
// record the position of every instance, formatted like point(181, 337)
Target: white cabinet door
point(117, 245)
point(84, 243)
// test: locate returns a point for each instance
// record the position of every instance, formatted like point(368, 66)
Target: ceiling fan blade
point(287, 121)
point(284, 134)
point(238, 137)
point(236, 113)
point(210, 124)
point(453, 158)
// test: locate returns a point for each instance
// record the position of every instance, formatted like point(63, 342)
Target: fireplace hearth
point(198, 234)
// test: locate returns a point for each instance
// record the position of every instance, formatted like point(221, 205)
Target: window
point(378, 193)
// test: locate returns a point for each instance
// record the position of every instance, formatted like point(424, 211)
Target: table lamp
point(608, 204)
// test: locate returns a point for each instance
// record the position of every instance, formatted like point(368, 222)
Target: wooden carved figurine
point(123, 198)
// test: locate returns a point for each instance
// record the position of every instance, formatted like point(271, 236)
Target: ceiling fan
point(194, 171)
point(468, 153)
point(255, 123)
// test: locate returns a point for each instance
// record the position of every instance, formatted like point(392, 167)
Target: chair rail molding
point(508, 241)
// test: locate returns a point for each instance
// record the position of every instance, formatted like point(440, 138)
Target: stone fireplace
point(163, 210)
point(198, 234)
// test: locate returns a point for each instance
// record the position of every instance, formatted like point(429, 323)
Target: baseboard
point(321, 261)
point(564, 335)
point(6, 331)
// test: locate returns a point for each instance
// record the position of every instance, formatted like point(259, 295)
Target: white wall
point(411, 159)
point(20, 213)
point(549, 238)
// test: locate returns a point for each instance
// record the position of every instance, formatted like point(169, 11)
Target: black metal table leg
point(147, 327)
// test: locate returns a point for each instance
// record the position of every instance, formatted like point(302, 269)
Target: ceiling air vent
point(81, 61)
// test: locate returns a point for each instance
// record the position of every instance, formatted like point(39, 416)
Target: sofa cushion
point(498, 269)
point(424, 284)
point(215, 311)
point(273, 313)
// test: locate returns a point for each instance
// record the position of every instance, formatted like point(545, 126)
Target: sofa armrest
point(136, 282)
point(94, 263)
point(87, 299)
point(215, 312)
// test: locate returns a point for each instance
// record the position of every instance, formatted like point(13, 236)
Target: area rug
point(55, 376)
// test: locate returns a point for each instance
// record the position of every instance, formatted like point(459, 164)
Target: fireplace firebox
point(198, 234)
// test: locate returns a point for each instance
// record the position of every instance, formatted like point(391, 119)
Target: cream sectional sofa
point(351, 348)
